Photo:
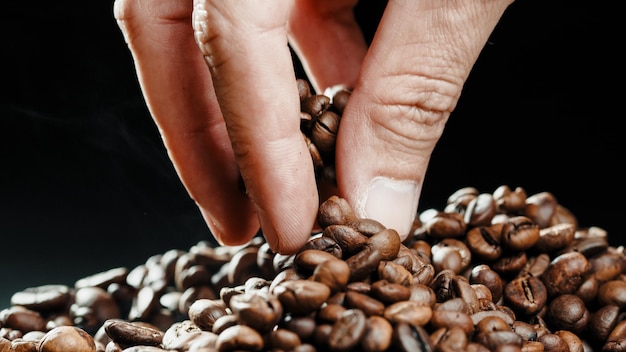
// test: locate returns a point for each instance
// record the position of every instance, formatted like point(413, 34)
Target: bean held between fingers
point(490, 271)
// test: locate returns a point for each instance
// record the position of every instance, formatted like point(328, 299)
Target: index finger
point(245, 46)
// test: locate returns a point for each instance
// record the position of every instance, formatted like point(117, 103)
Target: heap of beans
point(500, 271)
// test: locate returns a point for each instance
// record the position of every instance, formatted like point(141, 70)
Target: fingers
point(177, 87)
point(328, 41)
point(410, 82)
point(245, 47)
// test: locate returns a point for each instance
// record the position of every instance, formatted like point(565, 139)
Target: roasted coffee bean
point(410, 338)
point(603, 321)
point(348, 330)
point(260, 312)
point(301, 296)
point(378, 335)
point(130, 334)
point(204, 312)
point(324, 244)
point(568, 312)
point(239, 337)
point(480, 210)
point(450, 319)
point(42, 298)
point(390, 292)
point(324, 132)
point(368, 227)
point(282, 339)
point(22, 319)
point(526, 295)
point(613, 292)
point(510, 201)
point(565, 273)
point(541, 208)
point(519, 233)
point(333, 273)
point(555, 237)
point(484, 241)
point(67, 338)
point(616, 341)
point(335, 211)
point(350, 240)
point(445, 225)
point(449, 339)
point(369, 305)
point(483, 274)
point(411, 312)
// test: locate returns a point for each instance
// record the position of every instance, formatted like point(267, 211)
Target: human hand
point(219, 81)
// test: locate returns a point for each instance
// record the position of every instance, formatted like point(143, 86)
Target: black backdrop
point(85, 184)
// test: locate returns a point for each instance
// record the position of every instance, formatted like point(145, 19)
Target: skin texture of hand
point(219, 81)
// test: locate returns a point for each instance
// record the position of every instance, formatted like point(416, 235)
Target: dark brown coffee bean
point(239, 337)
point(553, 343)
point(519, 233)
point(492, 323)
point(390, 292)
point(303, 326)
point(333, 273)
point(348, 330)
point(603, 321)
point(484, 241)
point(541, 208)
point(463, 289)
point(335, 210)
point(526, 295)
point(573, 342)
point(204, 312)
point(22, 319)
point(21, 345)
point(282, 340)
point(495, 339)
point(42, 298)
point(410, 338)
point(613, 292)
point(480, 210)
point(67, 338)
point(92, 307)
point(411, 312)
point(449, 339)
point(568, 312)
point(306, 261)
point(525, 330)
point(445, 225)
point(369, 305)
point(555, 237)
point(260, 312)
point(450, 319)
point(301, 296)
point(565, 273)
point(483, 274)
point(340, 99)
point(350, 240)
point(130, 334)
point(510, 201)
point(324, 132)
point(368, 227)
point(324, 244)
point(511, 264)
point(617, 338)
point(378, 335)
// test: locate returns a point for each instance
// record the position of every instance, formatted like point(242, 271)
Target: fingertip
point(287, 231)
point(231, 232)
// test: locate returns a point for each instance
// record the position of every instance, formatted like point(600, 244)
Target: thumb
point(410, 82)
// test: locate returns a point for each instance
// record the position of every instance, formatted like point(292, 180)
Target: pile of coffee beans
point(497, 271)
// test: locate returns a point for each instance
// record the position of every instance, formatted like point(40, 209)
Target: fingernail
point(392, 202)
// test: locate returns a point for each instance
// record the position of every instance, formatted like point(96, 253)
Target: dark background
point(85, 184)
